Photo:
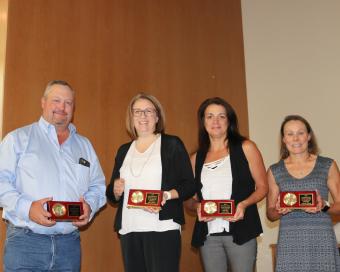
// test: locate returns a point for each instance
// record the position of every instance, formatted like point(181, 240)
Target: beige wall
point(292, 53)
point(3, 33)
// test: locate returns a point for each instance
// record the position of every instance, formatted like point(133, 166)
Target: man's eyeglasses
point(147, 112)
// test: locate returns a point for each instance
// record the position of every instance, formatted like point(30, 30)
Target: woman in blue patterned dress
point(306, 240)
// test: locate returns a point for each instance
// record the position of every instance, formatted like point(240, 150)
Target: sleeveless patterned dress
point(306, 241)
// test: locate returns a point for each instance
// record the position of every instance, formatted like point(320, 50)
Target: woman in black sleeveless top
point(227, 166)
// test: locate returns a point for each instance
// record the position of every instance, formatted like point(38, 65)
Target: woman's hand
point(274, 211)
point(168, 195)
point(239, 214)
point(118, 188)
point(200, 217)
point(319, 204)
point(152, 209)
point(280, 210)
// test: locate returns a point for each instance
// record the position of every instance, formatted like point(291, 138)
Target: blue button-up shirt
point(33, 165)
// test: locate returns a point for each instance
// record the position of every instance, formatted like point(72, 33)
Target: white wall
point(292, 56)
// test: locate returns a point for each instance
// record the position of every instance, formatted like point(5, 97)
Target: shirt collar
point(46, 126)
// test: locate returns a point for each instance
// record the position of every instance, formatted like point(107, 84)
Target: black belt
point(223, 233)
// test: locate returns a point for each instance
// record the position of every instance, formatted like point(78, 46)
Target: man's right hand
point(118, 188)
point(39, 215)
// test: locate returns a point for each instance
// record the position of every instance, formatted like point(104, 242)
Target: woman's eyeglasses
point(139, 112)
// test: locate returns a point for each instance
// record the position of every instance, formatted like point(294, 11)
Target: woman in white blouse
point(150, 238)
point(227, 166)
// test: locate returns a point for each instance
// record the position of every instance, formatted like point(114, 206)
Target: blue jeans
point(27, 251)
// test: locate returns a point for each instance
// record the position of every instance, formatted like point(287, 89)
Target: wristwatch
point(326, 207)
point(166, 195)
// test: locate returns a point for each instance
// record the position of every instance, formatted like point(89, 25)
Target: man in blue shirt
point(47, 160)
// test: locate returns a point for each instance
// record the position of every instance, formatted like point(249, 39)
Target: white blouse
point(143, 171)
point(217, 180)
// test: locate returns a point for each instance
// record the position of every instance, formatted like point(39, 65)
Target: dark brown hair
point(233, 133)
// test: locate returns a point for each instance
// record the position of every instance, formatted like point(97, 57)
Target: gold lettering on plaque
point(306, 199)
point(225, 208)
point(152, 199)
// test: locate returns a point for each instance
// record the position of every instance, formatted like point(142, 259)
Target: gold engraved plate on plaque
point(59, 209)
point(306, 199)
point(225, 208)
point(289, 199)
point(151, 199)
point(137, 197)
point(210, 207)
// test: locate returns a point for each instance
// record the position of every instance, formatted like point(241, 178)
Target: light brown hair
point(312, 144)
point(160, 126)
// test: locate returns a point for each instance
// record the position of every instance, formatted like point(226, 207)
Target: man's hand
point(83, 219)
point(39, 215)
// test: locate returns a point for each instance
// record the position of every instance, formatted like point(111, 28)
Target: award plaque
point(217, 208)
point(298, 199)
point(144, 198)
point(65, 210)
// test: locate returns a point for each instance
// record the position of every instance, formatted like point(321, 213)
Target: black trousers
point(151, 251)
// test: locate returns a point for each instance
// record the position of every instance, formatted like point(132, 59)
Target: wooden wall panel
point(182, 51)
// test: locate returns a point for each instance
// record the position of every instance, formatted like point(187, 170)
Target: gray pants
point(221, 254)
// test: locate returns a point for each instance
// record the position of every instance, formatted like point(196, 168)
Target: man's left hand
point(83, 219)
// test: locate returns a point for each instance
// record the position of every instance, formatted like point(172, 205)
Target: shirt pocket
point(83, 177)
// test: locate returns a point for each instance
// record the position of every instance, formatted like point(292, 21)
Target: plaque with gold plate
point(298, 199)
point(139, 198)
point(217, 208)
point(65, 210)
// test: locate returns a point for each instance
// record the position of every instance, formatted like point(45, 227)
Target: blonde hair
point(160, 126)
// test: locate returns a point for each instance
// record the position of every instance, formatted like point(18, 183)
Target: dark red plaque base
point(139, 198)
point(217, 208)
point(298, 199)
point(65, 210)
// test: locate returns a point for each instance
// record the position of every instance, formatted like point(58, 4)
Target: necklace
point(145, 162)
point(214, 164)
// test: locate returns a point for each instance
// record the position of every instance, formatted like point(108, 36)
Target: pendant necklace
point(145, 162)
